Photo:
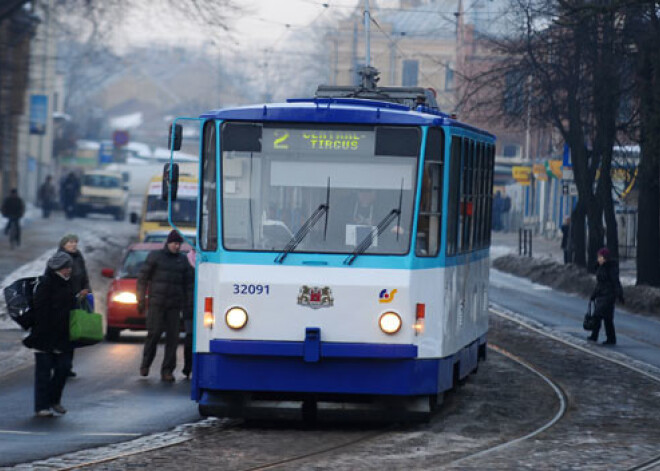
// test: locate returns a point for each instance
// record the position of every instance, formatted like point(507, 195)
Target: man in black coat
point(53, 301)
point(13, 208)
point(69, 191)
point(168, 279)
point(608, 289)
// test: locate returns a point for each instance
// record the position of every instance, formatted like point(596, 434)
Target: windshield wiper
point(378, 230)
point(375, 232)
point(307, 226)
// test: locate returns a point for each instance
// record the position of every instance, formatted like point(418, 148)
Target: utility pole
point(367, 42)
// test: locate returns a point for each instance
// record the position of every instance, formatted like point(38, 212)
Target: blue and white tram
point(343, 255)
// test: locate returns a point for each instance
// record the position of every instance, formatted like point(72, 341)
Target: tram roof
point(340, 110)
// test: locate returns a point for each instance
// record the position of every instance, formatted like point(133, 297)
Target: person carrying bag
point(85, 325)
point(49, 335)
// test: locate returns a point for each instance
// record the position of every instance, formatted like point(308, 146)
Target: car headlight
point(389, 322)
point(125, 297)
point(236, 318)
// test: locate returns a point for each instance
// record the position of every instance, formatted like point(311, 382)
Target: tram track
point(321, 454)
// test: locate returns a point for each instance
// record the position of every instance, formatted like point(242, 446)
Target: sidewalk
point(503, 243)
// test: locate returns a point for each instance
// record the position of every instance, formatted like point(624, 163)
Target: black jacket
point(608, 286)
point(53, 301)
point(168, 278)
point(13, 207)
point(79, 277)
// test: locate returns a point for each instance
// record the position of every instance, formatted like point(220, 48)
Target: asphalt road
point(108, 402)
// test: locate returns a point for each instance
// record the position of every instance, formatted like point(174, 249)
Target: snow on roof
point(83, 144)
point(127, 121)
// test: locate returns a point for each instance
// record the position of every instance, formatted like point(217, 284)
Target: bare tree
point(643, 27)
point(564, 58)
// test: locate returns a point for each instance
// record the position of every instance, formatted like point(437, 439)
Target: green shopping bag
point(85, 328)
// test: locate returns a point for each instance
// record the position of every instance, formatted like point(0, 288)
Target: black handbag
point(18, 297)
point(590, 320)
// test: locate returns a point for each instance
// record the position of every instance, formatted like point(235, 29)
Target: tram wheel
point(309, 411)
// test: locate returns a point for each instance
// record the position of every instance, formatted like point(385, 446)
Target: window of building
point(410, 73)
point(449, 78)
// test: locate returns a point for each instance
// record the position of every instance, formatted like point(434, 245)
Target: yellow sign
point(522, 175)
point(540, 173)
point(332, 140)
point(555, 168)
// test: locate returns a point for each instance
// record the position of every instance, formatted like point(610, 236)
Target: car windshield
point(132, 263)
point(101, 181)
point(278, 179)
point(134, 260)
point(183, 210)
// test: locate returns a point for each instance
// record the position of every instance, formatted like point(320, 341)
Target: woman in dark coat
point(79, 277)
point(608, 289)
point(53, 301)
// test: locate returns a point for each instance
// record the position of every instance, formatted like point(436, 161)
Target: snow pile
point(573, 279)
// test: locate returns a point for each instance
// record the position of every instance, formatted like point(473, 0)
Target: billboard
point(38, 114)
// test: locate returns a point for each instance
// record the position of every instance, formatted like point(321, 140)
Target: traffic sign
point(120, 138)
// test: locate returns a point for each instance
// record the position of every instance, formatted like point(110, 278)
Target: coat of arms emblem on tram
point(315, 297)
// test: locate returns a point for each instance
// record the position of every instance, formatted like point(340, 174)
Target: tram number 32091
point(249, 289)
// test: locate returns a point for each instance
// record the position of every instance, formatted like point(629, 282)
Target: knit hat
point(60, 260)
point(174, 236)
point(68, 238)
point(604, 252)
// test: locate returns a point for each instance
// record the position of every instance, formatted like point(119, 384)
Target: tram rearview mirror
point(170, 177)
point(178, 132)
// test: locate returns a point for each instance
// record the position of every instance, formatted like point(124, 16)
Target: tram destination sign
point(329, 141)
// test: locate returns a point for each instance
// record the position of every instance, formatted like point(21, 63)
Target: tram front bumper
point(313, 366)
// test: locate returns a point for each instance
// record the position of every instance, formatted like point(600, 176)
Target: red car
point(121, 304)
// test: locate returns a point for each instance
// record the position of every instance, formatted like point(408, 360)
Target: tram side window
point(479, 210)
point(464, 179)
point(490, 163)
point(467, 203)
point(430, 208)
point(454, 188)
point(209, 218)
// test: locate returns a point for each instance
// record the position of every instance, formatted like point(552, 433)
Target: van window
point(101, 181)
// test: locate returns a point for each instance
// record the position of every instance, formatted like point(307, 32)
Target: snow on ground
point(101, 243)
point(573, 279)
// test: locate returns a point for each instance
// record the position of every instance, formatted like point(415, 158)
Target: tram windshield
point(277, 177)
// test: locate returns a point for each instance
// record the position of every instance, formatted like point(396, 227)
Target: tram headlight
point(236, 318)
point(390, 322)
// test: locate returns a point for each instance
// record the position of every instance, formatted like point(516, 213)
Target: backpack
point(18, 297)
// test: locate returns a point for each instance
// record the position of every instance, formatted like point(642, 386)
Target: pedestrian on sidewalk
point(608, 289)
point(69, 191)
point(168, 278)
point(79, 278)
point(53, 301)
point(13, 208)
point(46, 196)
